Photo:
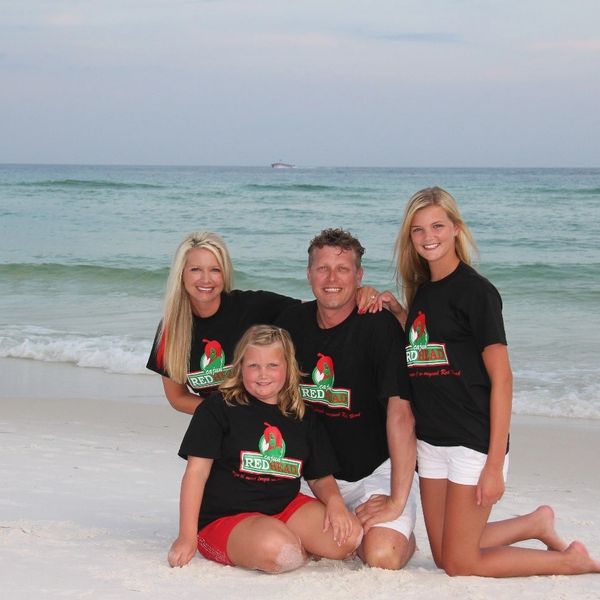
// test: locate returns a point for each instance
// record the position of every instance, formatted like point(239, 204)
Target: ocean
point(85, 252)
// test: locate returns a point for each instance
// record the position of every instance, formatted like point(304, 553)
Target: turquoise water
point(84, 255)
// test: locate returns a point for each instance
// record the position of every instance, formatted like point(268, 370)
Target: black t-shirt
point(351, 370)
point(214, 338)
point(259, 456)
point(449, 324)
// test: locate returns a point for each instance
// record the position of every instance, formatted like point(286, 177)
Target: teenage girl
point(461, 384)
point(246, 449)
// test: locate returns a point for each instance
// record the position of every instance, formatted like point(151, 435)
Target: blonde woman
point(203, 319)
point(247, 448)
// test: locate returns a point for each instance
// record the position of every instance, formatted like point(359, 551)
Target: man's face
point(334, 277)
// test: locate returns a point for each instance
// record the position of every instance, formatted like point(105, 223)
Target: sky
point(423, 83)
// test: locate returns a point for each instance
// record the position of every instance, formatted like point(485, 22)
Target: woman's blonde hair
point(175, 337)
point(412, 270)
point(289, 401)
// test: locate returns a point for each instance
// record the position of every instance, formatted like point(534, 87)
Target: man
point(356, 381)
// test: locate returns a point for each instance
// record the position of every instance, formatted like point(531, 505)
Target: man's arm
point(402, 444)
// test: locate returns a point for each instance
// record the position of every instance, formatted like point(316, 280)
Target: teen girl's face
point(433, 236)
point(264, 371)
point(203, 281)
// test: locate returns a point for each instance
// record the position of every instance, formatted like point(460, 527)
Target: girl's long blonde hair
point(412, 270)
point(289, 401)
point(175, 335)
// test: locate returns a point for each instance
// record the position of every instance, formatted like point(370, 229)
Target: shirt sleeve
point(292, 319)
point(270, 305)
point(204, 435)
point(152, 363)
point(485, 315)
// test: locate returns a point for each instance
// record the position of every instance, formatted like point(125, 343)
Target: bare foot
point(546, 533)
point(582, 562)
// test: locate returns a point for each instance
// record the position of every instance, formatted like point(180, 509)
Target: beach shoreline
point(90, 501)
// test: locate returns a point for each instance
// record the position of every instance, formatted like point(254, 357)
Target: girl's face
point(433, 236)
point(264, 371)
point(203, 281)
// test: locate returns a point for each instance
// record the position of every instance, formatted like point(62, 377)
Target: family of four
point(311, 418)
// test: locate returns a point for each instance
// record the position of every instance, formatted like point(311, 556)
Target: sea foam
point(114, 354)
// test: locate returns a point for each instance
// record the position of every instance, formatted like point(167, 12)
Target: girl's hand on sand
point(490, 487)
point(339, 519)
point(182, 551)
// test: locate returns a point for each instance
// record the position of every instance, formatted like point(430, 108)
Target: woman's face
point(203, 281)
point(433, 236)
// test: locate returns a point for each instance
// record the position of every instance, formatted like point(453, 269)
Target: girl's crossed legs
point(278, 543)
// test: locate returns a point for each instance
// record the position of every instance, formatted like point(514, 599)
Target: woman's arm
point(491, 481)
point(388, 301)
point(179, 397)
point(369, 299)
point(190, 499)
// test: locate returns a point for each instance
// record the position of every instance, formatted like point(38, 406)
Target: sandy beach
point(89, 504)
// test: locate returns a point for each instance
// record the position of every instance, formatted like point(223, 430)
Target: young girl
point(461, 385)
point(247, 448)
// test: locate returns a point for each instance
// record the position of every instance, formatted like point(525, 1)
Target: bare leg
point(307, 524)
point(265, 544)
point(433, 501)
point(386, 548)
point(464, 525)
point(536, 525)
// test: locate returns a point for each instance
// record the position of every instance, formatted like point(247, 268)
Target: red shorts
point(212, 539)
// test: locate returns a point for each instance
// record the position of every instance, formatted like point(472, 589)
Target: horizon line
point(268, 166)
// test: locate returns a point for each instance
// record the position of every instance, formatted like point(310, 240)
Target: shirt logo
point(213, 370)
point(322, 390)
point(323, 374)
point(271, 459)
point(419, 352)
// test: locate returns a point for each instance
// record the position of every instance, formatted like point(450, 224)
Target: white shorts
point(455, 463)
point(355, 493)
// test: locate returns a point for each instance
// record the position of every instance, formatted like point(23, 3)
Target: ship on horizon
point(282, 165)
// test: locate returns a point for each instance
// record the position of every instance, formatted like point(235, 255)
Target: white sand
point(89, 502)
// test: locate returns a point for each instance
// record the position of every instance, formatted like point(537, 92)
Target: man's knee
point(391, 550)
